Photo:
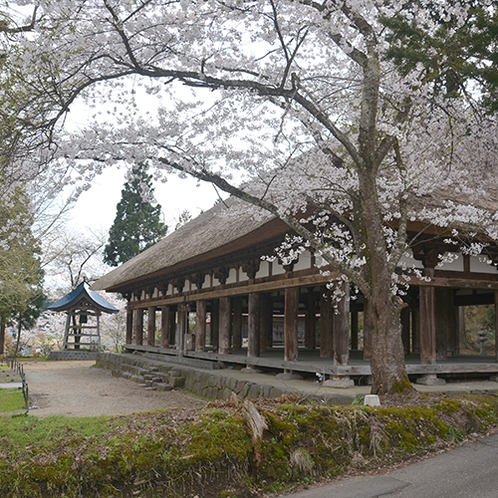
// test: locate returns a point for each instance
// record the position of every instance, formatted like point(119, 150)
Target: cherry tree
point(292, 106)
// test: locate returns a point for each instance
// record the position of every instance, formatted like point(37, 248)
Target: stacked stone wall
point(151, 373)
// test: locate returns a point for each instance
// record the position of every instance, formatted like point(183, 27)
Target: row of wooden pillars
point(226, 324)
point(434, 310)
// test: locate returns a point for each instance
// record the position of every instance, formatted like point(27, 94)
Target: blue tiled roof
point(83, 290)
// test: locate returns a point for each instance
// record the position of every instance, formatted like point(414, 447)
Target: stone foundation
point(163, 375)
point(72, 355)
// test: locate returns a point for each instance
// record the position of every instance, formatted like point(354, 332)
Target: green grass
point(10, 400)
point(47, 433)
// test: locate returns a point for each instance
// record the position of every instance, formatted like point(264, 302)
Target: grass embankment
point(212, 452)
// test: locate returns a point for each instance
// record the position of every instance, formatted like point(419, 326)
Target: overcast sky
point(96, 208)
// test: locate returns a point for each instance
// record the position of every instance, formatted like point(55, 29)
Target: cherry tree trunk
point(387, 353)
point(383, 313)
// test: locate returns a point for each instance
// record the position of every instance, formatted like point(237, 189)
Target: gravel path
point(77, 389)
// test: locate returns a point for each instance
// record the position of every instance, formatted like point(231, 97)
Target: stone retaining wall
point(72, 355)
point(162, 376)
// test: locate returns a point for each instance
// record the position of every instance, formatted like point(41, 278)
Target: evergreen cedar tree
point(272, 82)
point(451, 55)
point(138, 224)
point(21, 274)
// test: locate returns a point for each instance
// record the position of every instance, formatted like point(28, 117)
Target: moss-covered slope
point(214, 453)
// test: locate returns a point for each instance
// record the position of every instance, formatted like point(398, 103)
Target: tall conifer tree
point(138, 223)
point(21, 275)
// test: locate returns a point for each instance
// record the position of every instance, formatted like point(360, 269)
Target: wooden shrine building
point(83, 307)
point(207, 292)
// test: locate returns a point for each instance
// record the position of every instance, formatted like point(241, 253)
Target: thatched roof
point(220, 230)
point(234, 225)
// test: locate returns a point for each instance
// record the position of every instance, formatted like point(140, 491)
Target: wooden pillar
point(225, 312)
point(367, 333)
point(354, 329)
point(214, 330)
point(427, 298)
point(66, 329)
point(129, 327)
point(266, 322)
point(138, 320)
point(451, 322)
point(291, 307)
point(461, 324)
point(253, 325)
point(151, 326)
point(181, 328)
point(310, 321)
point(165, 326)
point(326, 331)
point(416, 330)
point(172, 325)
point(496, 325)
point(200, 325)
point(441, 325)
point(99, 342)
point(446, 317)
point(237, 323)
point(405, 328)
point(340, 320)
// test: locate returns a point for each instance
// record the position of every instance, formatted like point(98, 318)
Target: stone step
point(162, 386)
point(137, 378)
point(177, 381)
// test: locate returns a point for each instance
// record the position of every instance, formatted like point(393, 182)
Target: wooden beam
point(267, 284)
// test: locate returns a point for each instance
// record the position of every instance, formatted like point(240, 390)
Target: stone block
point(162, 386)
point(275, 392)
point(430, 380)
point(254, 391)
point(176, 381)
point(371, 400)
point(339, 383)
point(245, 390)
point(289, 376)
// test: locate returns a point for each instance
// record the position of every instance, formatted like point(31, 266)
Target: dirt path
point(77, 389)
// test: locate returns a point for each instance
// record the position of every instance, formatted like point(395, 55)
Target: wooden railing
point(19, 370)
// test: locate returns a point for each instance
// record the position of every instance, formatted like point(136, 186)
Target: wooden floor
point(309, 362)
